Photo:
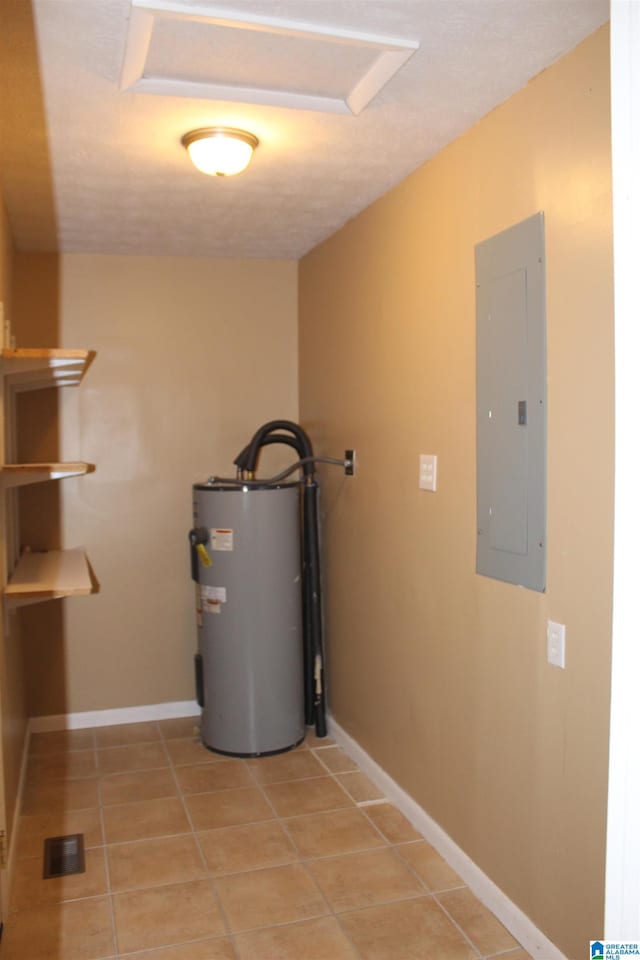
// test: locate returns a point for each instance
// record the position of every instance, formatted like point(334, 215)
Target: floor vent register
point(63, 856)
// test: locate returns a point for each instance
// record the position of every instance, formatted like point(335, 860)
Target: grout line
point(378, 829)
point(194, 833)
point(457, 925)
point(185, 943)
point(112, 907)
point(504, 953)
point(112, 911)
point(411, 869)
point(341, 785)
point(276, 815)
point(152, 839)
point(338, 773)
point(299, 859)
point(282, 821)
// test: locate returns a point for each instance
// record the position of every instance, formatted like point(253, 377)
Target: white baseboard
point(107, 718)
point(510, 915)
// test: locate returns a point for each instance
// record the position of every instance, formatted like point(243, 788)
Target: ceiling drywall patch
point(362, 62)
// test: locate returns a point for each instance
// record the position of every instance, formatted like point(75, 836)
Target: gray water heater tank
point(249, 618)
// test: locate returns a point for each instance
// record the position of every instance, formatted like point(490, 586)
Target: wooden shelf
point(19, 474)
point(35, 369)
point(49, 576)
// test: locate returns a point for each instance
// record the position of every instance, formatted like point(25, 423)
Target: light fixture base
point(220, 151)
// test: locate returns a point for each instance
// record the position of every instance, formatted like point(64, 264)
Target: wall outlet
point(350, 463)
point(556, 644)
point(428, 470)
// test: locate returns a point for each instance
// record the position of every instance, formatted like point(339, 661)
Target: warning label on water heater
point(221, 539)
point(212, 598)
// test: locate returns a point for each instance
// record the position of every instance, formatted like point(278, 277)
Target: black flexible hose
point(242, 459)
point(305, 449)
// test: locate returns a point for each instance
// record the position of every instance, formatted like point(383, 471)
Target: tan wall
point(13, 712)
point(6, 251)
point(439, 673)
point(193, 355)
point(26, 182)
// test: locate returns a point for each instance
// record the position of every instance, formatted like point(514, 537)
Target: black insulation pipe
point(256, 442)
point(313, 653)
point(314, 595)
point(242, 459)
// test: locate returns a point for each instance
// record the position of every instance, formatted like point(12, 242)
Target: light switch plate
point(556, 644)
point(428, 469)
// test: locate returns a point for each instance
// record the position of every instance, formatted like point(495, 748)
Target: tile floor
point(192, 856)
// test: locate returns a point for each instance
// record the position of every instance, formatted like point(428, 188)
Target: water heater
point(249, 615)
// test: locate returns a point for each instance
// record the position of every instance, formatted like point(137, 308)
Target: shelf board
point(35, 369)
point(19, 474)
point(49, 576)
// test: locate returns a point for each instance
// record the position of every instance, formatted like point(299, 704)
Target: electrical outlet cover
point(556, 644)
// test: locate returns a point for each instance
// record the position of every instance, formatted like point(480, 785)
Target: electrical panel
point(511, 405)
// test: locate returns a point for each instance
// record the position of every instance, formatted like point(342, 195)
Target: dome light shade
point(220, 151)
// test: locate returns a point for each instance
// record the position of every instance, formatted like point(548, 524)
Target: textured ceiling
point(122, 183)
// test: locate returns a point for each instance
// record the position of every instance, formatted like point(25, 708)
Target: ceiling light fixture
point(220, 151)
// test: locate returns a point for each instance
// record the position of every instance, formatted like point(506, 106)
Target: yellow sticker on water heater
point(221, 539)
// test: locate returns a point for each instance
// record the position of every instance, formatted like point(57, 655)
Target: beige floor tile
point(124, 734)
point(29, 888)
point(149, 863)
point(202, 950)
point(77, 930)
point(359, 787)
point(411, 929)
point(298, 797)
point(58, 741)
point(208, 777)
point(164, 916)
point(140, 756)
point(294, 765)
point(144, 819)
point(479, 924)
point(264, 897)
point(321, 939)
point(186, 752)
point(228, 808)
point(179, 727)
point(362, 879)
point(140, 785)
point(60, 795)
point(62, 766)
point(329, 834)
point(391, 823)
point(336, 760)
point(430, 866)
point(234, 849)
point(34, 829)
